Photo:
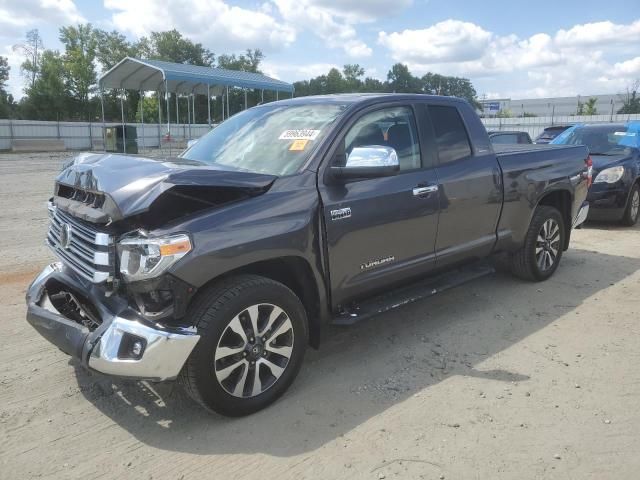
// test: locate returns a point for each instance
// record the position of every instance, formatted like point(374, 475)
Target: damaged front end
point(111, 301)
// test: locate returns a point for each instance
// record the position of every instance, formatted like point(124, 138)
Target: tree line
point(61, 84)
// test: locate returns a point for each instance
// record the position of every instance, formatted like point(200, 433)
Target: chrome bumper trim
point(163, 357)
point(582, 215)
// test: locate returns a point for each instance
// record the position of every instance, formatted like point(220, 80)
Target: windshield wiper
point(603, 154)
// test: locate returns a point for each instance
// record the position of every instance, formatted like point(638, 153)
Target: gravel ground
point(496, 379)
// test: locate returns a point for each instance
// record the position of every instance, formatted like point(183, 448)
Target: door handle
point(419, 191)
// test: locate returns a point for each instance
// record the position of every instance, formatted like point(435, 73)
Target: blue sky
point(507, 48)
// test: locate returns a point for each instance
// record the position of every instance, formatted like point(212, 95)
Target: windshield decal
point(299, 134)
point(298, 145)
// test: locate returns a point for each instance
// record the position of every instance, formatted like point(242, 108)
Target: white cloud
point(565, 63)
point(292, 73)
point(356, 11)
point(451, 41)
point(599, 33)
point(212, 22)
point(17, 16)
point(307, 15)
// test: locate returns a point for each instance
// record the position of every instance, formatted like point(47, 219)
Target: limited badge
point(298, 145)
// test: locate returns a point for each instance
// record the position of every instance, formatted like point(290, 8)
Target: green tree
point(436, 84)
point(247, 62)
point(6, 100)
point(631, 99)
point(171, 46)
point(32, 51)
point(352, 77)
point(400, 80)
point(111, 47)
point(590, 107)
point(79, 64)
point(48, 99)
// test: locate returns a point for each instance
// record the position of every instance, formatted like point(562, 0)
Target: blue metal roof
point(138, 74)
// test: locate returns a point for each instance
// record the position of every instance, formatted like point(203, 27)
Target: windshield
point(602, 139)
point(271, 139)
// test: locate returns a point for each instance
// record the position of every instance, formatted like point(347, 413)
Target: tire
point(630, 217)
point(538, 259)
point(219, 373)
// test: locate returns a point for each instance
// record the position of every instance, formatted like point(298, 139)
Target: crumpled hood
point(131, 184)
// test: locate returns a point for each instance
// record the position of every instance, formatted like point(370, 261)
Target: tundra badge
point(340, 214)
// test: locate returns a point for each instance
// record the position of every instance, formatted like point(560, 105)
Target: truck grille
point(81, 246)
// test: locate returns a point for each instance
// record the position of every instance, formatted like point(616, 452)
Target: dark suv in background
point(549, 133)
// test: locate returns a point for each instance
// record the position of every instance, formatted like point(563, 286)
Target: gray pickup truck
point(221, 266)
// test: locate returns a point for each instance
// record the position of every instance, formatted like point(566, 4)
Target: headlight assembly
point(610, 175)
point(143, 258)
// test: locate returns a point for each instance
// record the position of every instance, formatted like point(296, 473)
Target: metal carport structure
point(166, 77)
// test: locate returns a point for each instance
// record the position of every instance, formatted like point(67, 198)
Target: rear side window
point(505, 138)
point(451, 136)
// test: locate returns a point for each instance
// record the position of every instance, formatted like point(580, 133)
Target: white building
point(558, 106)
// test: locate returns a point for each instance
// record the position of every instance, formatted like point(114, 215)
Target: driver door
point(380, 231)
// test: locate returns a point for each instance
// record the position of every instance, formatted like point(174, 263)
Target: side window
point(504, 138)
point(391, 127)
point(451, 136)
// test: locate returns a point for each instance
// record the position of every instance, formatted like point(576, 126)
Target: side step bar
point(411, 293)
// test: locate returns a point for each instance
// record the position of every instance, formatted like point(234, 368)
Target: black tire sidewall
point(626, 219)
point(211, 392)
point(543, 214)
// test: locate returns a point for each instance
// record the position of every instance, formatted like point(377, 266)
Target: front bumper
point(608, 201)
point(107, 348)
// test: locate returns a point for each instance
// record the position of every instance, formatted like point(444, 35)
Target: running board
point(412, 293)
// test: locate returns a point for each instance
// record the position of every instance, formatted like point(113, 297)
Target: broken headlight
point(142, 258)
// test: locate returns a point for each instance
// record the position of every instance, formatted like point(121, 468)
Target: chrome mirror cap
point(372, 156)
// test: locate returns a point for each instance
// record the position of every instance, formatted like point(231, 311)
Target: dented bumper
point(103, 332)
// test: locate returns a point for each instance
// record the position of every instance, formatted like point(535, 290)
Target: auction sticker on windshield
point(300, 134)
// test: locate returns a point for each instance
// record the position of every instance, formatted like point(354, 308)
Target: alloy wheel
point(254, 350)
point(635, 205)
point(547, 245)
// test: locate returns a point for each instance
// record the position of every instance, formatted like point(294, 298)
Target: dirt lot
point(496, 379)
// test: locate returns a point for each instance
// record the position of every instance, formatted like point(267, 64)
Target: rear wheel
point(253, 338)
point(632, 211)
point(538, 259)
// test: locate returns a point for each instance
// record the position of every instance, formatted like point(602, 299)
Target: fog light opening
point(131, 347)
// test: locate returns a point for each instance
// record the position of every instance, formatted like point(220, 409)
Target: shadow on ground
point(361, 371)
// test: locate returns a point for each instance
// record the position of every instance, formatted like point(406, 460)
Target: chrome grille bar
point(86, 249)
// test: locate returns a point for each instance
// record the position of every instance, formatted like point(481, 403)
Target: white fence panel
point(88, 136)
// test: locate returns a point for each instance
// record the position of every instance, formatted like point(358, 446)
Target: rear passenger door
point(470, 188)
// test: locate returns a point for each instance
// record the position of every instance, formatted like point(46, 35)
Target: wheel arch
point(561, 200)
point(295, 273)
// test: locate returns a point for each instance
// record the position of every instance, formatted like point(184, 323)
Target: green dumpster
point(114, 138)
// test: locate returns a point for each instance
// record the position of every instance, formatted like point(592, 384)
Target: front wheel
point(538, 259)
point(632, 210)
point(253, 335)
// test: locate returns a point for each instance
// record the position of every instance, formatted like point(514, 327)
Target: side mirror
point(368, 162)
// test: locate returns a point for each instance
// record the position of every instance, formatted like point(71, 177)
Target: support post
point(189, 114)
point(104, 138)
point(141, 101)
point(228, 102)
point(277, 95)
point(166, 96)
point(124, 130)
point(193, 108)
point(208, 106)
point(159, 121)
point(262, 96)
point(177, 110)
point(245, 98)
